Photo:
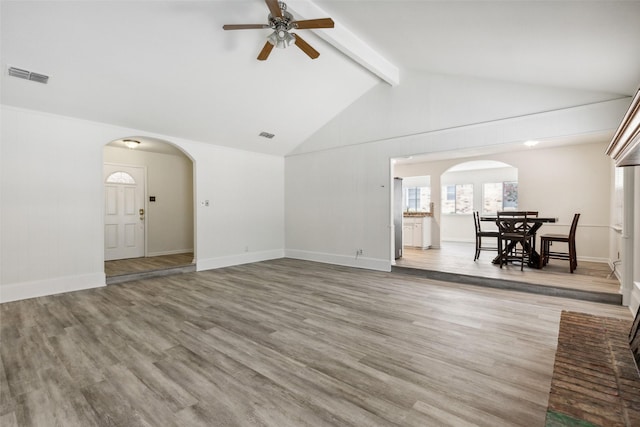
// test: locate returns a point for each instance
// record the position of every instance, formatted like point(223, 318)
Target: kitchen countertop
point(417, 214)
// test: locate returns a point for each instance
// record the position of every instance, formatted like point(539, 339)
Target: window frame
point(457, 209)
point(504, 203)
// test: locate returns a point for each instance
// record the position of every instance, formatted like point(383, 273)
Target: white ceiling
point(168, 67)
point(591, 45)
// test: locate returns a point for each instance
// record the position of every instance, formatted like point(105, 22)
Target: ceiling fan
point(282, 22)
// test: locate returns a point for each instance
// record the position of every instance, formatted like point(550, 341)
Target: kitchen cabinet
point(416, 232)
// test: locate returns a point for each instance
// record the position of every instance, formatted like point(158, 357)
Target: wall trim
point(568, 224)
point(174, 252)
point(344, 260)
point(243, 258)
point(456, 240)
point(39, 288)
point(595, 259)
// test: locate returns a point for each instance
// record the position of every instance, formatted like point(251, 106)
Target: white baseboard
point(347, 261)
point(238, 259)
point(174, 252)
point(594, 259)
point(58, 285)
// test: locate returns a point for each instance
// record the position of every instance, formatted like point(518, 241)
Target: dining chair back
point(493, 235)
point(546, 240)
point(528, 214)
point(514, 229)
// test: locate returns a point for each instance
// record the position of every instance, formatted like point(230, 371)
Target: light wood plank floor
point(281, 343)
point(454, 257)
point(137, 265)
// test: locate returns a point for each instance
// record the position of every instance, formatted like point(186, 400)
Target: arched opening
point(438, 201)
point(485, 186)
point(149, 210)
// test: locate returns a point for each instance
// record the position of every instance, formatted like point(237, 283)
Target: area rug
point(595, 380)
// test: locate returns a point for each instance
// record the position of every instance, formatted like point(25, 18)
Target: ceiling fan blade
point(274, 8)
point(244, 26)
point(266, 50)
point(315, 23)
point(306, 48)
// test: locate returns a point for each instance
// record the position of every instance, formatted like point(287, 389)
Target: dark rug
point(595, 379)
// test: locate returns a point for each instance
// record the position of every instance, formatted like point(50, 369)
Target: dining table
point(535, 223)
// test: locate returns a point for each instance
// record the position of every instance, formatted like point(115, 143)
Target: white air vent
point(267, 135)
point(28, 75)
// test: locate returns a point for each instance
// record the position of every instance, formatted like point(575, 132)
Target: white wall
point(51, 210)
point(244, 221)
point(416, 181)
point(337, 203)
point(339, 199)
point(170, 179)
point(427, 102)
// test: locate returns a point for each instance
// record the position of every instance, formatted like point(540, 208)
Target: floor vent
point(28, 75)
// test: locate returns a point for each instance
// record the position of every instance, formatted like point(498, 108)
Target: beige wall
point(170, 179)
point(557, 182)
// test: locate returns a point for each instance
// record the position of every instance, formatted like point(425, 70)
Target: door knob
point(141, 211)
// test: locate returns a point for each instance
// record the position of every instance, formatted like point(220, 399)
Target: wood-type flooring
point(456, 257)
point(145, 264)
point(282, 343)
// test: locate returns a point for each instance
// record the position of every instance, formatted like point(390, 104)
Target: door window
point(120, 178)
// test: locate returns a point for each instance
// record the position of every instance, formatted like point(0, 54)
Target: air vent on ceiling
point(267, 135)
point(28, 75)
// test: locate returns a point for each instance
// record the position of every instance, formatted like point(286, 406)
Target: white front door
point(124, 211)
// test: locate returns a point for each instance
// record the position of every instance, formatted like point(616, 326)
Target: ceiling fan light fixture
point(273, 39)
point(281, 38)
point(289, 39)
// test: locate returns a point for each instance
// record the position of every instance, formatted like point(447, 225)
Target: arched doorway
point(456, 188)
point(161, 218)
point(486, 186)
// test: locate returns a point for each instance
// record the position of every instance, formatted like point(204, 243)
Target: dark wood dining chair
point(529, 214)
point(546, 240)
point(493, 235)
point(514, 230)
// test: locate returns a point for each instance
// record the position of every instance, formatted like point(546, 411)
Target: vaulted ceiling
point(168, 68)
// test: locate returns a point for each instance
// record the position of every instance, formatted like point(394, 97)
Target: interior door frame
point(144, 201)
